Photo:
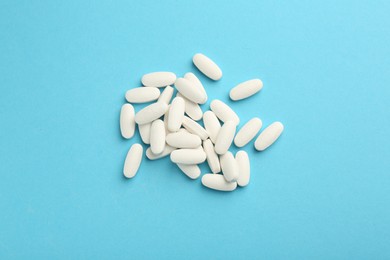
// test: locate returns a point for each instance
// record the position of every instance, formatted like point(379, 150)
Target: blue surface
point(321, 192)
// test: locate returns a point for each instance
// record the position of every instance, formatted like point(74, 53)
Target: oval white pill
point(133, 160)
point(188, 156)
point(151, 113)
point(211, 156)
point(166, 95)
point(269, 136)
point(191, 170)
point(229, 167)
point(211, 124)
point(223, 111)
point(192, 109)
point(246, 89)
point(195, 128)
point(183, 139)
point(248, 132)
point(167, 151)
point(244, 168)
point(157, 136)
point(207, 66)
point(176, 114)
point(144, 131)
point(142, 94)
point(218, 182)
point(158, 79)
point(127, 123)
point(189, 90)
point(194, 79)
point(225, 137)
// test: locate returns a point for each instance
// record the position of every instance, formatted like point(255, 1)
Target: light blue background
point(321, 192)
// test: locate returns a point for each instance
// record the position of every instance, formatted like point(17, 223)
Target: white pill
point(157, 136)
point(229, 167)
point(218, 182)
point(194, 79)
point(158, 79)
point(167, 150)
point(183, 139)
point(188, 156)
point(244, 168)
point(223, 111)
point(211, 156)
point(127, 123)
point(142, 94)
point(165, 119)
point(248, 132)
point(133, 160)
point(151, 113)
point(225, 137)
point(246, 89)
point(144, 131)
point(176, 114)
point(192, 109)
point(207, 66)
point(191, 170)
point(211, 124)
point(195, 128)
point(269, 136)
point(166, 95)
point(189, 90)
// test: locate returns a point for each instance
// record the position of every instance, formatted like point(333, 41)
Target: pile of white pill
point(170, 126)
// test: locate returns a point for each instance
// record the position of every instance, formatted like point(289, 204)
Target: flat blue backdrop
point(321, 192)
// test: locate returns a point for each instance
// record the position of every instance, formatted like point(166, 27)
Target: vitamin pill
point(142, 94)
point(229, 167)
point(248, 132)
point(151, 113)
point(269, 136)
point(157, 136)
point(133, 160)
point(195, 128)
point(189, 90)
point(207, 66)
point(225, 137)
point(211, 156)
point(246, 89)
point(194, 79)
point(144, 131)
point(188, 156)
point(223, 111)
point(244, 168)
point(158, 79)
point(211, 124)
point(191, 170)
point(218, 182)
point(176, 114)
point(183, 139)
point(166, 95)
point(127, 123)
point(167, 151)
point(192, 109)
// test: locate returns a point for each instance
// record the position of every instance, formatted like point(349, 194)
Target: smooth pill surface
point(195, 128)
point(211, 156)
point(144, 131)
point(207, 66)
point(151, 113)
point(225, 137)
point(269, 136)
point(183, 139)
point(194, 79)
point(142, 94)
point(211, 124)
point(167, 151)
point(188, 156)
point(192, 109)
point(248, 132)
point(189, 90)
point(191, 170)
point(158, 79)
point(229, 167)
point(246, 89)
point(157, 136)
point(166, 95)
point(244, 168)
point(223, 111)
point(218, 182)
point(127, 123)
point(176, 114)
point(133, 160)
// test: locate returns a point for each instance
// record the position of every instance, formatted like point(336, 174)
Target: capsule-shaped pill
point(166, 95)
point(133, 161)
point(248, 132)
point(167, 151)
point(142, 94)
point(229, 167)
point(223, 111)
point(183, 139)
point(189, 90)
point(246, 89)
point(127, 123)
point(207, 66)
point(191, 170)
point(192, 109)
point(269, 136)
point(188, 156)
point(211, 124)
point(194, 79)
point(211, 156)
point(158, 79)
point(157, 136)
point(176, 114)
point(218, 182)
point(144, 131)
point(225, 137)
point(151, 113)
point(244, 168)
point(195, 128)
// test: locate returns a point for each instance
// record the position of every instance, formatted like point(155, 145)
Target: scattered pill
point(144, 131)
point(167, 151)
point(157, 136)
point(211, 124)
point(158, 79)
point(207, 66)
point(192, 109)
point(183, 139)
point(190, 90)
point(269, 136)
point(218, 182)
point(127, 124)
point(248, 132)
point(194, 79)
point(191, 170)
point(244, 168)
point(176, 114)
point(151, 113)
point(223, 111)
point(142, 94)
point(211, 156)
point(195, 128)
point(188, 156)
point(133, 160)
point(246, 89)
point(166, 95)
point(229, 167)
point(225, 137)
